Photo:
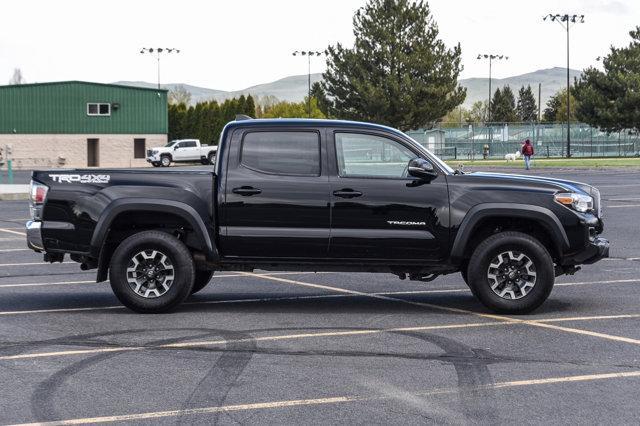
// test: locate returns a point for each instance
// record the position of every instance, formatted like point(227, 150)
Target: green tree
point(478, 112)
point(398, 72)
point(250, 106)
point(456, 117)
point(526, 108)
point(556, 110)
point(610, 99)
point(503, 106)
point(293, 110)
point(318, 92)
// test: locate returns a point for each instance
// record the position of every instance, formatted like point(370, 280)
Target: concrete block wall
point(44, 151)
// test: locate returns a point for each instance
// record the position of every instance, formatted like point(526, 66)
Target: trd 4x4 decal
point(64, 178)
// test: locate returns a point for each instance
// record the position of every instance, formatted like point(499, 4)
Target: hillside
point(294, 88)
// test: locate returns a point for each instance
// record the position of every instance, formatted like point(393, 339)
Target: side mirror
point(421, 168)
point(176, 147)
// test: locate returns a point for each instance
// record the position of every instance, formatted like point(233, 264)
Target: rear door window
point(282, 153)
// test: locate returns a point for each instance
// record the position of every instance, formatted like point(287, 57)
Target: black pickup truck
point(316, 195)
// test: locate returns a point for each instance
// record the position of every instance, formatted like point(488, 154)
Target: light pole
point(308, 54)
point(158, 51)
point(565, 21)
point(491, 57)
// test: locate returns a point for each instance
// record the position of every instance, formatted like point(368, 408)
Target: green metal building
point(80, 124)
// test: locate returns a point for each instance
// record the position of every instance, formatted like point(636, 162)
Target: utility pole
point(539, 101)
point(308, 54)
point(158, 51)
point(491, 57)
point(565, 20)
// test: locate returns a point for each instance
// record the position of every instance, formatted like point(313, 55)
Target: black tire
point(463, 272)
point(202, 278)
point(177, 256)
point(165, 160)
point(211, 158)
point(204, 161)
point(156, 164)
point(515, 243)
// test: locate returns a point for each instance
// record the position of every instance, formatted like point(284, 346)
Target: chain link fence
point(474, 141)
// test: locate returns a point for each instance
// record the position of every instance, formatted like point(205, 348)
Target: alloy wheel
point(511, 275)
point(150, 273)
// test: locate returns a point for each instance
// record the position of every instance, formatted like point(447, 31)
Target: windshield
point(444, 166)
point(170, 143)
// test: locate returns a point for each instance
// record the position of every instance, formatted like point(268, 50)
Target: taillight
point(38, 194)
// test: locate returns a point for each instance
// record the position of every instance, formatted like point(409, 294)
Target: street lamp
point(565, 22)
point(158, 51)
point(308, 54)
point(490, 57)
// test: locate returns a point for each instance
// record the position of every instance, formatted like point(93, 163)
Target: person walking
point(527, 153)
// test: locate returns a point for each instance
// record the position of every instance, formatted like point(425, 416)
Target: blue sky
point(234, 44)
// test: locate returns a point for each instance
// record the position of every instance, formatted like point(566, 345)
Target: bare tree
point(17, 77)
point(179, 95)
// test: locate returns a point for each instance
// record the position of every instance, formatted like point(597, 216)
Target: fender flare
point(479, 212)
point(166, 206)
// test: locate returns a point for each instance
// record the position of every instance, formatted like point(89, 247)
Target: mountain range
point(294, 88)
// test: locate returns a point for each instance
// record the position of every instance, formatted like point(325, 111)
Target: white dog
point(512, 157)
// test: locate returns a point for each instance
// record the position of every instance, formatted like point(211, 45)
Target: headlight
point(578, 202)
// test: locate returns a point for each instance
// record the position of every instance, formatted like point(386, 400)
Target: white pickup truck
point(182, 150)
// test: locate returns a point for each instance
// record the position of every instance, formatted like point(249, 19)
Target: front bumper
point(597, 249)
point(34, 235)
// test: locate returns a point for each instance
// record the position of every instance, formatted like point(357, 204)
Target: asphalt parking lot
point(304, 348)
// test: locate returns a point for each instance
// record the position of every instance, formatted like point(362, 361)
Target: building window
point(98, 109)
point(139, 146)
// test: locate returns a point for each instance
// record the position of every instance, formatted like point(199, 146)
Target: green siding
point(62, 108)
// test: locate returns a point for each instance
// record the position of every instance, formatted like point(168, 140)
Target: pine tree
point(318, 92)
point(503, 106)
point(526, 109)
point(250, 107)
point(610, 99)
point(398, 72)
point(556, 110)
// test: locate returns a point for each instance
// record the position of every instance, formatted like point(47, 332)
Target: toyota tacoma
point(316, 195)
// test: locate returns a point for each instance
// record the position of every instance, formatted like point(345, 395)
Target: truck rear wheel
point(511, 272)
point(152, 272)
point(203, 277)
point(212, 158)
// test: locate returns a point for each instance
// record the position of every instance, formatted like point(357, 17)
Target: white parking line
point(47, 284)
point(271, 405)
point(33, 263)
point(10, 231)
point(16, 249)
point(208, 343)
point(205, 343)
point(619, 207)
point(457, 310)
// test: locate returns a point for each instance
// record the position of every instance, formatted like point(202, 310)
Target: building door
point(92, 152)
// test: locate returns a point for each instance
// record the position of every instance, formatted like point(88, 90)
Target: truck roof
point(308, 122)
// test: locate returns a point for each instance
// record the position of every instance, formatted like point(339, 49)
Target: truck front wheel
point(511, 272)
point(165, 160)
point(152, 272)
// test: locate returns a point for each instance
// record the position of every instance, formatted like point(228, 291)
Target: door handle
point(246, 191)
point(347, 193)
